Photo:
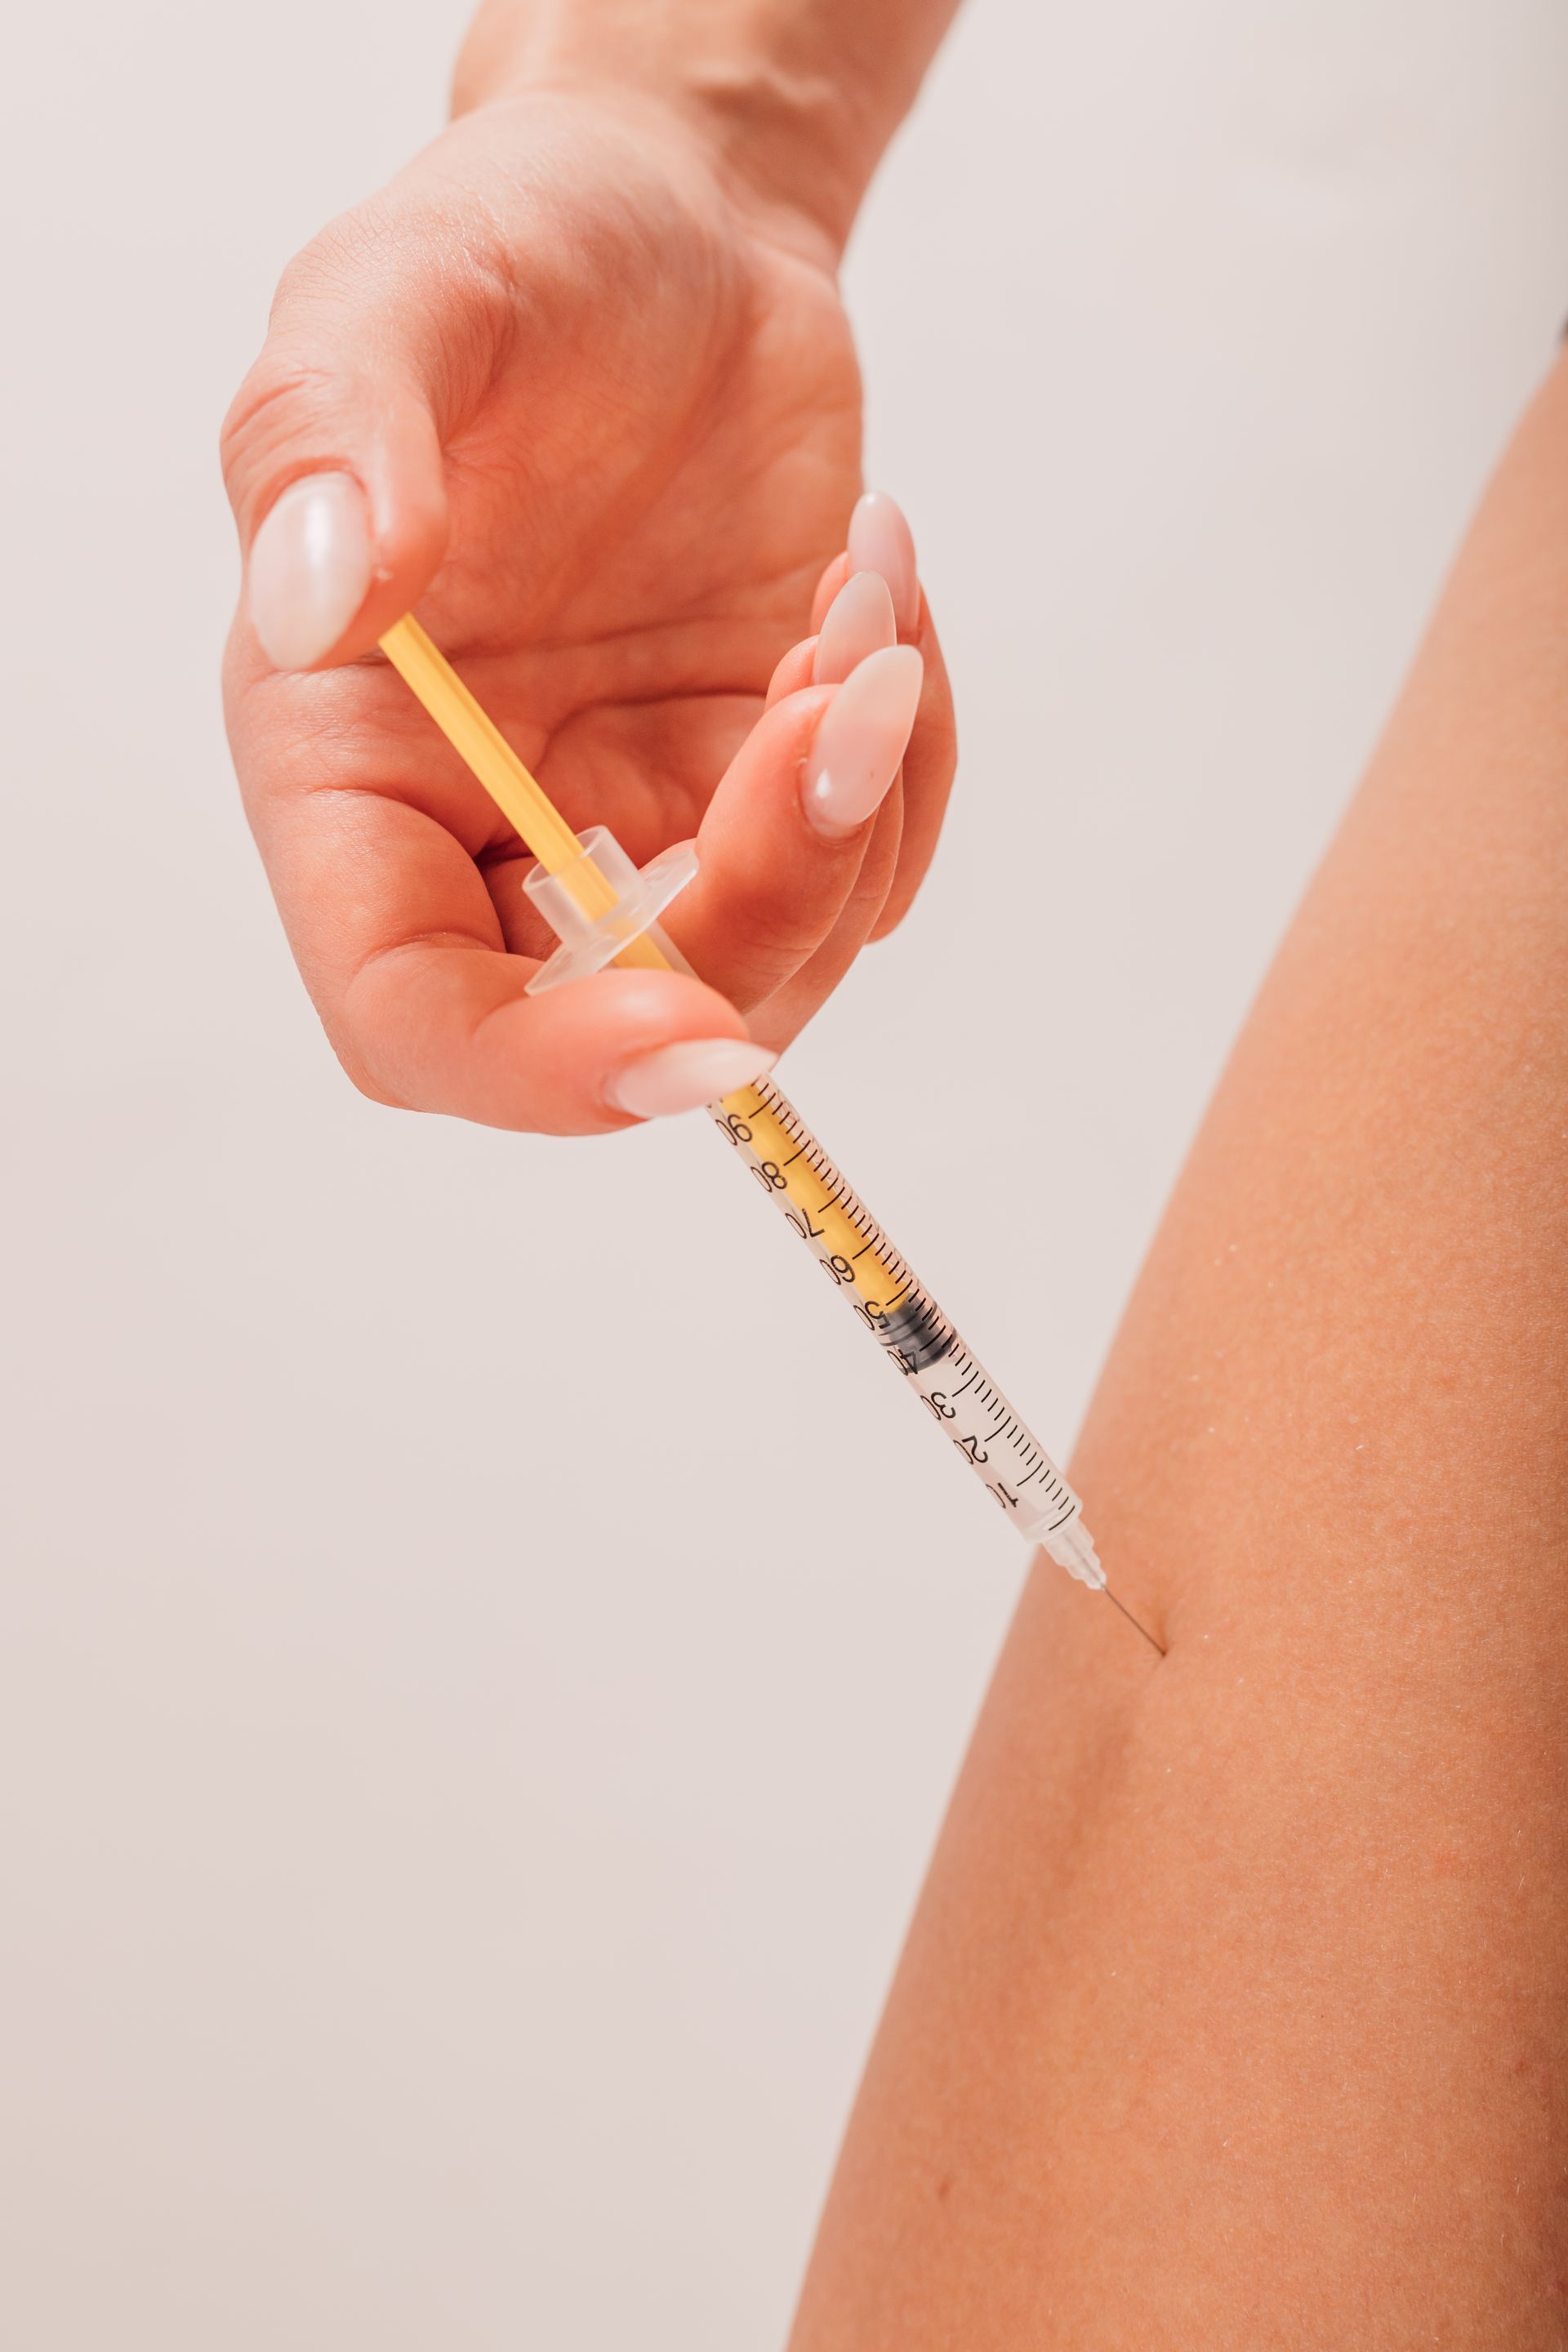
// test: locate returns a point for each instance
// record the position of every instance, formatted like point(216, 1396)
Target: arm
point(1235, 2010)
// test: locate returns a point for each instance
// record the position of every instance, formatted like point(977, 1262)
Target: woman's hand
point(567, 388)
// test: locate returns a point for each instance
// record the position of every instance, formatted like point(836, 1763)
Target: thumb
point(332, 451)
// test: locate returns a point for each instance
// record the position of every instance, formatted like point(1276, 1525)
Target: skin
point(587, 360)
point(1236, 2010)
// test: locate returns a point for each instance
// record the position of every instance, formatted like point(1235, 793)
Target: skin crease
point(1234, 2013)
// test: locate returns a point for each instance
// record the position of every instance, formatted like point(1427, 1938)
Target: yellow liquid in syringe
point(785, 1159)
point(830, 1216)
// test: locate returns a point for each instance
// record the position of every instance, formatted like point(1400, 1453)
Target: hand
point(565, 387)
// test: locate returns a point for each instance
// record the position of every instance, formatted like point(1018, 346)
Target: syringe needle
point(1132, 1620)
point(608, 913)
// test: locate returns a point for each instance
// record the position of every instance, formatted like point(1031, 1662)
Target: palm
point(645, 490)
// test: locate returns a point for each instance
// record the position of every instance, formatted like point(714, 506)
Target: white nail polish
point(861, 741)
point(310, 569)
point(860, 621)
point(683, 1078)
point(880, 541)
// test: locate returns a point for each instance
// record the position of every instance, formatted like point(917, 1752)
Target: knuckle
point(335, 253)
point(933, 754)
point(778, 935)
point(286, 408)
point(282, 403)
point(361, 1077)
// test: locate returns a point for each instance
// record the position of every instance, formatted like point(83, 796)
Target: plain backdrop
point(447, 1880)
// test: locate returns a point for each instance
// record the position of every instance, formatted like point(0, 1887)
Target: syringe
point(604, 911)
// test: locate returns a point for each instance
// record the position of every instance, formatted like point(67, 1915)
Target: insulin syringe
point(605, 911)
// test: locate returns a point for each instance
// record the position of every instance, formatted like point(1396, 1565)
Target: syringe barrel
point(824, 1212)
point(601, 905)
point(605, 911)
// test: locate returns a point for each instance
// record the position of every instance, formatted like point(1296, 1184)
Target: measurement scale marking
point(910, 1326)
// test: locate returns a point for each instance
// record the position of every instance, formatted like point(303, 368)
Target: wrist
point(762, 88)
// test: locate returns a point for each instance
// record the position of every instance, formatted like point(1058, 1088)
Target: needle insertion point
point(1132, 1620)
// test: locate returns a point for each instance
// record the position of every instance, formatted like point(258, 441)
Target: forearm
point(1234, 2011)
point(801, 96)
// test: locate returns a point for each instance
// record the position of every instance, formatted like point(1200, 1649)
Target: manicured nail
point(685, 1076)
point(881, 540)
point(860, 621)
point(310, 569)
point(862, 737)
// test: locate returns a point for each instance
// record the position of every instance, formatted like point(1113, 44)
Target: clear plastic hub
point(599, 903)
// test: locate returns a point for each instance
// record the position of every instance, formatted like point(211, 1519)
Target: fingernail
point(881, 540)
point(310, 569)
point(862, 736)
point(685, 1076)
point(858, 622)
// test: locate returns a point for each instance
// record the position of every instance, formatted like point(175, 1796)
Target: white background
point(444, 1896)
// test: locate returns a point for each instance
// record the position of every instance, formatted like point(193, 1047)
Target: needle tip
point(1158, 1646)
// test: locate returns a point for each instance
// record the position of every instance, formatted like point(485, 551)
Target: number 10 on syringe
point(823, 1209)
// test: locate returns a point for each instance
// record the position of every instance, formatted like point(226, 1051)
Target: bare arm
point(1235, 2010)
